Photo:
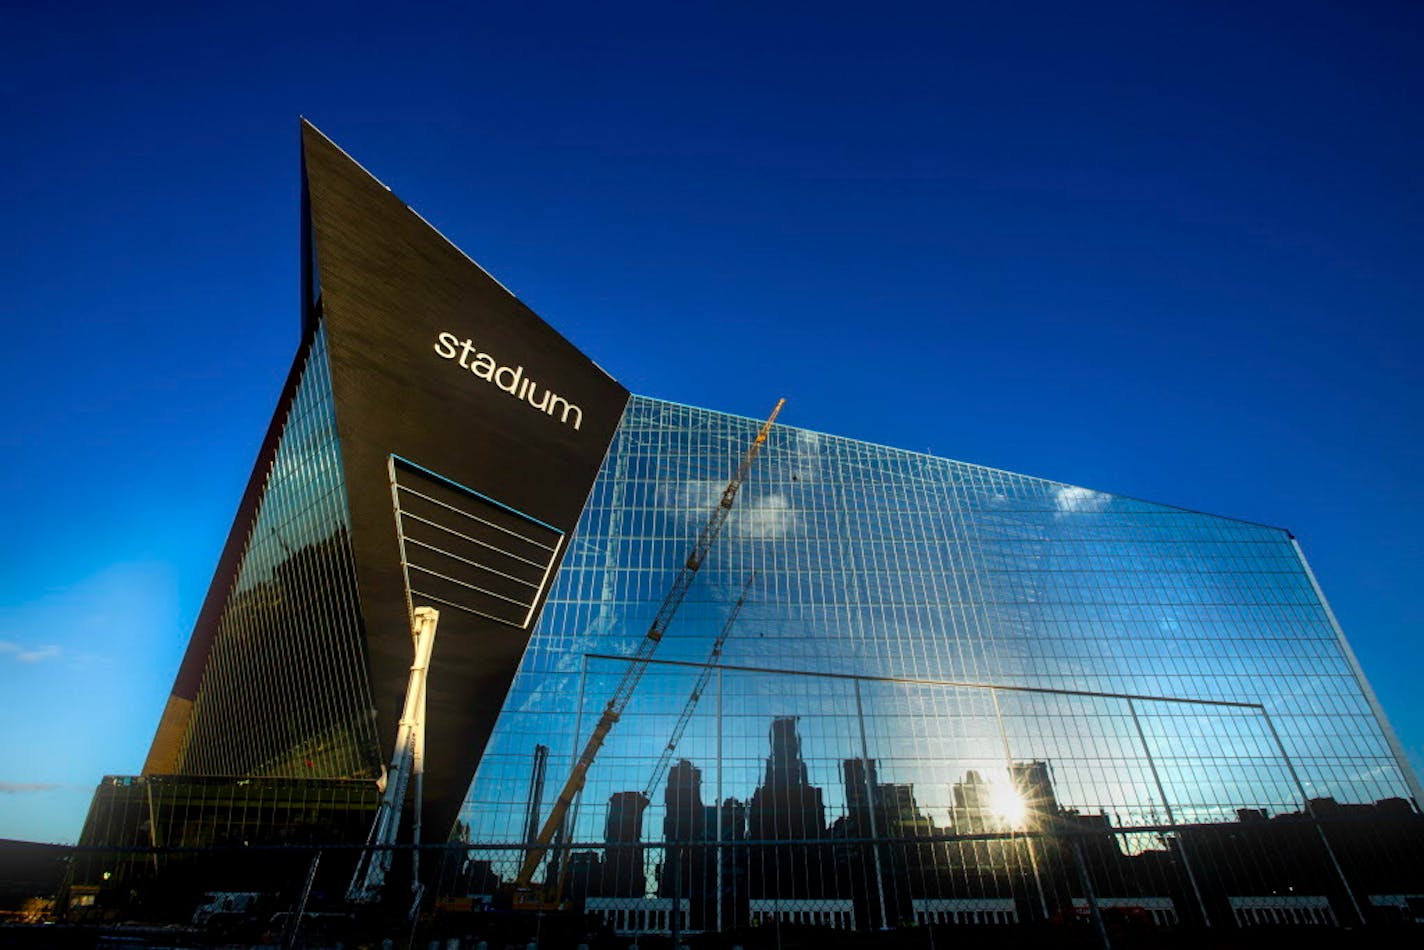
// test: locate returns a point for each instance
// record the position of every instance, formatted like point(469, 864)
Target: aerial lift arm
point(407, 763)
point(703, 679)
point(639, 663)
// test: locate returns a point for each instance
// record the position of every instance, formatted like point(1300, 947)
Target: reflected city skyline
point(1009, 848)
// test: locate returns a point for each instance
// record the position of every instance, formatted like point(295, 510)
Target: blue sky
point(1166, 250)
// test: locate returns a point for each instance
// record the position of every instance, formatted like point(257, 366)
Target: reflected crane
point(660, 769)
point(525, 896)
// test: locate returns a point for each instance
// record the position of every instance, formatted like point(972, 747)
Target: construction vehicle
point(407, 767)
point(224, 909)
point(526, 896)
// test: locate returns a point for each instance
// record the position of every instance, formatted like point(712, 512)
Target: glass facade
point(285, 691)
point(153, 844)
point(953, 695)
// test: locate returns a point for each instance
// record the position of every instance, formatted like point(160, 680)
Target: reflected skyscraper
point(785, 807)
point(974, 810)
point(689, 868)
point(1032, 782)
point(687, 817)
point(623, 870)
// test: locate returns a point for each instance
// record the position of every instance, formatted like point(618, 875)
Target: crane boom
point(639, 662)
point(702, 680)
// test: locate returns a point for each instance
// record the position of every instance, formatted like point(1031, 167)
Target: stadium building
point(901, 691)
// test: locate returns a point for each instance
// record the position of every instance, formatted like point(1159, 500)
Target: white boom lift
point(407, 766)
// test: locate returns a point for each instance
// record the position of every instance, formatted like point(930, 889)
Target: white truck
point(225, 908)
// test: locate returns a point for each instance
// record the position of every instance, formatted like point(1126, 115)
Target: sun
point(1008, 805)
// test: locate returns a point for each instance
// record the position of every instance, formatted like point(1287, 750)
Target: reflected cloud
point(1071, 498)
point(755, 517)
point(769, 517)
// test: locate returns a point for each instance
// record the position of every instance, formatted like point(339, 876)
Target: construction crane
point(407, 765)
point(524, 896)
point(702, 680)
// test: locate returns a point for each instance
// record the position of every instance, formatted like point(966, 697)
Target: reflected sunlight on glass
point(1008, 806)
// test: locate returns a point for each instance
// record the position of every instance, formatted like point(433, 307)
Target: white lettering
point(512, 383)
point(484, 366)
point(466, 349)
point(578, 413)
point(510, 379)
point(447, 341)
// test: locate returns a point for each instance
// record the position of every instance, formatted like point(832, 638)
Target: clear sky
point(1170, 250)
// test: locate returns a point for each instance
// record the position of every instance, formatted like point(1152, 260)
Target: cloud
point(28, 654)
point(768, 517)
point(20, 788)
point(761, 517)
point(1068, 498)
point(805, 462)
point(695, 497)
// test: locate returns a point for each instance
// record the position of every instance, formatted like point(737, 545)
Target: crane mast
point(637, 666)
point(702, 680)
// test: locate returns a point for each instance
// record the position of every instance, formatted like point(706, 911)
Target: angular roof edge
point(987, 468)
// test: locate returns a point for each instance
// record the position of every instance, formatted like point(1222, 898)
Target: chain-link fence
point(1077, 876)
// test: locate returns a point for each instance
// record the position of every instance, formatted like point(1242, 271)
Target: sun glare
point(1008, 805)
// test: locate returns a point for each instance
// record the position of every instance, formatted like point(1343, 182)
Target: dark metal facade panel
point(434, 362)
